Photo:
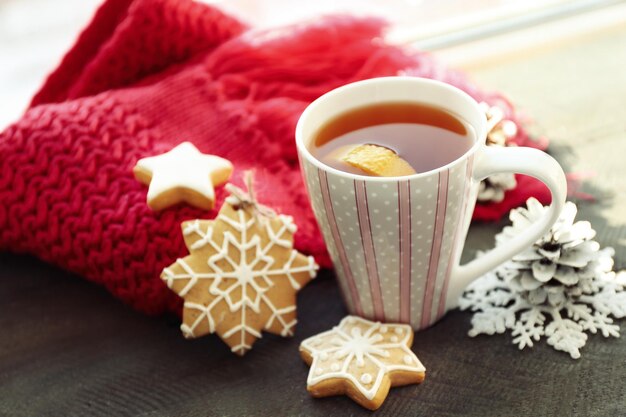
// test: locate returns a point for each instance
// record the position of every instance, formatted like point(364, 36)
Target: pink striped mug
point(396, 242)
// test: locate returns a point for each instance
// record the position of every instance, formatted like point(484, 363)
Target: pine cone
point(561, 265)
point(493, 188)
point(499, 133)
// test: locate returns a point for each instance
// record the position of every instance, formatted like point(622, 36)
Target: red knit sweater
point(146, 75)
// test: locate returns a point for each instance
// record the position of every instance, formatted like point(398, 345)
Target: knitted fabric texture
point(146, 75)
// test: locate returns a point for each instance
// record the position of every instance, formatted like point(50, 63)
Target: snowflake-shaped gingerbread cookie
point(361, 359)
point(241, 276)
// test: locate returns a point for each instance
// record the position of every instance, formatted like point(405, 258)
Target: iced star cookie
point(361, 359)
point(241, 276)
point(183, 174)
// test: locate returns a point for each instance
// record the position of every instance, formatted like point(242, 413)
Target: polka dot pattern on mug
point(398, 272)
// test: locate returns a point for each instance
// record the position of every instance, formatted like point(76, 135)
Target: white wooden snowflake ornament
point(361, 359)
point(183, 174)
point(560, 288)
point(241, 276)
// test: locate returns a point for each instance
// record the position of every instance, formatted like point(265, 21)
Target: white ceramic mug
point(396, 242)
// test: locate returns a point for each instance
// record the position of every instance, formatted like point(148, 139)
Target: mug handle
point(522, 160)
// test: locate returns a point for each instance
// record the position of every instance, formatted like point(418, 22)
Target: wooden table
point(67, 348)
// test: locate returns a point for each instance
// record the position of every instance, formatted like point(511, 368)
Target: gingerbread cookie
point(241, 276)
point(183, 174)
point(361, 359)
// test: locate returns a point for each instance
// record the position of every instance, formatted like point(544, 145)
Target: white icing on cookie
point(370, 348)
point(237, 278)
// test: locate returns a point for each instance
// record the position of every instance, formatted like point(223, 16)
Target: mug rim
point(303, 150)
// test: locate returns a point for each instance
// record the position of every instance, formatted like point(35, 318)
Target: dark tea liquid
point(426, 137)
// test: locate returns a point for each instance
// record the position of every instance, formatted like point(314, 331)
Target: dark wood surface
point(69, 349)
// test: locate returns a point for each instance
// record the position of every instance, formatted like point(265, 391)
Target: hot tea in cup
point(424, 136)
point(392, 167)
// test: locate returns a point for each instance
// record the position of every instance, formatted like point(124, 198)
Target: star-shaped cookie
point(241, 276)
point(183, 174)
point(361, 359)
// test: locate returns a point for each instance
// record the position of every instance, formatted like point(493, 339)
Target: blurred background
point(34, 34)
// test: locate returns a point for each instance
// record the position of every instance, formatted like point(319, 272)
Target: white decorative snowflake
point(498, 309)
point(241, 276)
point(560, 288)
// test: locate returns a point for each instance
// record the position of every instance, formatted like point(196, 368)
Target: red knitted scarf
point(146, 75)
